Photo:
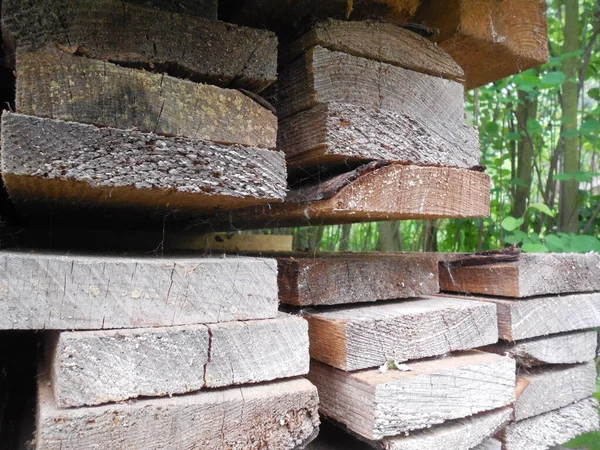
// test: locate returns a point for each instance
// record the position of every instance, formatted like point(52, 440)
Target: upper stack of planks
point(393, 363)
point(548, 308)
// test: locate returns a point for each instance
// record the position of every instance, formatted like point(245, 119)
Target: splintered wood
point(377, 405)
point(552, 428)
point(56, 84)
point(182, 45)
point(81, 292)
point(375, 192)
point(489, 39)
point(530, 275)
point(94, 367)
point(282, 414)
point(355, 278)
point(369, 336)
point(105, 168)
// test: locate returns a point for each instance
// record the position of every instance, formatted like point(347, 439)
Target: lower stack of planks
point(399, 372)
point(548, 306)
point(171, 353)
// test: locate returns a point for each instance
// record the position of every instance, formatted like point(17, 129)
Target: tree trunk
point(388, 237)
point(345, 239)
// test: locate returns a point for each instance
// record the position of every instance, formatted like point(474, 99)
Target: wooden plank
point(542, 316)
point(323, 76)
point(129, 172)
point(56, 84)
point(376, 405)
point(95, 367)
point(203, 8)
point(355, 278)
point(54, 292)
point(334, 133)
point(380, 41)
point(490, 444)
point(551, 388)
point(283, 413)
point(375, 192)
point(490, 40)
point(552, 428)
point(530, 275)
point(182, 45)
point(566, 348)
point(369, 336)
point(228, 242)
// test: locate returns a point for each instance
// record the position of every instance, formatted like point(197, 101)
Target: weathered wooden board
point(380, 41)
point(552, 428)
point(377, 405)
point(203, 8)
point(566, 348)
point(53, 292)
point(551, 388)
point(181, 45)
point(56, 84)
point(335, 133)
point(95, 367)
point(52, 164)
point(375, 192)
point(283, 413)
point(532, 274)
point(369, 336)
point(289, 16)
point(355, 278)
point(542, 316)
point(490, 444)
point(322, 76)
point(490, 40)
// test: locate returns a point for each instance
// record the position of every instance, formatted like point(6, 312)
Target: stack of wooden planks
point(393, 363)
point(161, 353)
point(548, 309)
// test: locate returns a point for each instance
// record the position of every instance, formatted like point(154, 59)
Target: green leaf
point(510, 223)
point(564, 177)
point(556, 244)
point(534, 127)
point(518, 182)
point(534, 248)
point(542, 208)
point(590, 126)
point(554, 78)
point(584, 177)
point(516, 237)
point(594, 93)
point(492, 128)
point(584, 243)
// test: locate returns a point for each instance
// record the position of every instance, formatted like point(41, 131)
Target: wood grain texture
point(323, 76)
point(347, 278)
point(380, 41)
point(542, 316)
point(377, 405)
point(531, 275)
point(283, 413)
point(360, 337)
point(565, 348)
point(203, 8)
point(551, 388)
point(335, 133)
point(490, 444)
point(552, 428)
point(124, 33)
point(95, 367)
point(391, 192)
point(490, 40)
point(54, 292)
point(48, 163)
point(56, 84)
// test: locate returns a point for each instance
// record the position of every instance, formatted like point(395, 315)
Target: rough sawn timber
point(566, 348)
point(320, 279)
point(489, 39)
point(352, 338)
point(203, 8)
point(490, 444)
point(552, 428)
point(56, 84)
point(53, 292)
point(95, 367)
point(371, 193)
point(48, 163)
point(376, 405)
point(323, 76)
point(124, 33)
point(554, 387)
point(531, 275)
point(282, 413)
point(541, 316)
